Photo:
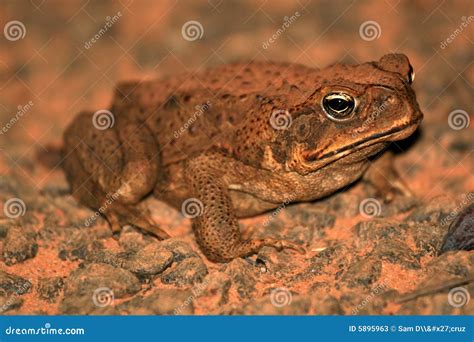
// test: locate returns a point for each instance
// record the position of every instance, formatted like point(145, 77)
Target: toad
point(238, 140)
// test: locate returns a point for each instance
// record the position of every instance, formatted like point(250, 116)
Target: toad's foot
point(111, 170)
point(121, 215)
point(386, 180)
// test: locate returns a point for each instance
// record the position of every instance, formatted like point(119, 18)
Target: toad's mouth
point(394, 134)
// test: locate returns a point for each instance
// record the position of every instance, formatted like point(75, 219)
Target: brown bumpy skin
point(217, 228)
point(115, 165)
point(239, 139)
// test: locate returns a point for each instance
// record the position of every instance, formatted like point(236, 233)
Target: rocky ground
point(364, 256)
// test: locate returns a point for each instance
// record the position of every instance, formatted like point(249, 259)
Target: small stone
point(328, 305)
point(363, 301)
point(308, 214)
point(323, 262)
point(375, 230)
point(364, 272)
point(84, 305)
point(300, 234)
point(150, 260)
point(214, 290)
point(276, 261)
point(443, 302)
point(396, 251)
point(92, 276)
point(461, 231)
point(287, 303)
point(105, 256)
point(133, 240)
point(428, 237)
point(244, 277)
point(80, 244)
point(342, 204)
point(10, 303)
point(19, 246)
point(438, 211)
point(92, 289)
point(326, 257)
point(49, 288)
point(11, 283)
point(75, 214)
point(180, 249)
point(400, 204)
point(3, 230)
point(187, 272)
point(161, 302)
point(449, 266)
point(11, 288)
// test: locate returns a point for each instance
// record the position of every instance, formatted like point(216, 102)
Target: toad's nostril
point(390, 100)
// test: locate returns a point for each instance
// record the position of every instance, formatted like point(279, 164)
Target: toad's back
point(189, 112)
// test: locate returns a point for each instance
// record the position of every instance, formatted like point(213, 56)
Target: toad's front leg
point(386, 180)
point(216, 227)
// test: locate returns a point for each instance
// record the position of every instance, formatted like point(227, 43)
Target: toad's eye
point(338, 106)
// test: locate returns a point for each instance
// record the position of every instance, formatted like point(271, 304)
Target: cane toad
point(238, 140)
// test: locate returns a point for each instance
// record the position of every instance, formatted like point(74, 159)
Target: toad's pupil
point(338, 104)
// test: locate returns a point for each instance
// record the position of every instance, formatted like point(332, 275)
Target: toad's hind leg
point(111, 170)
